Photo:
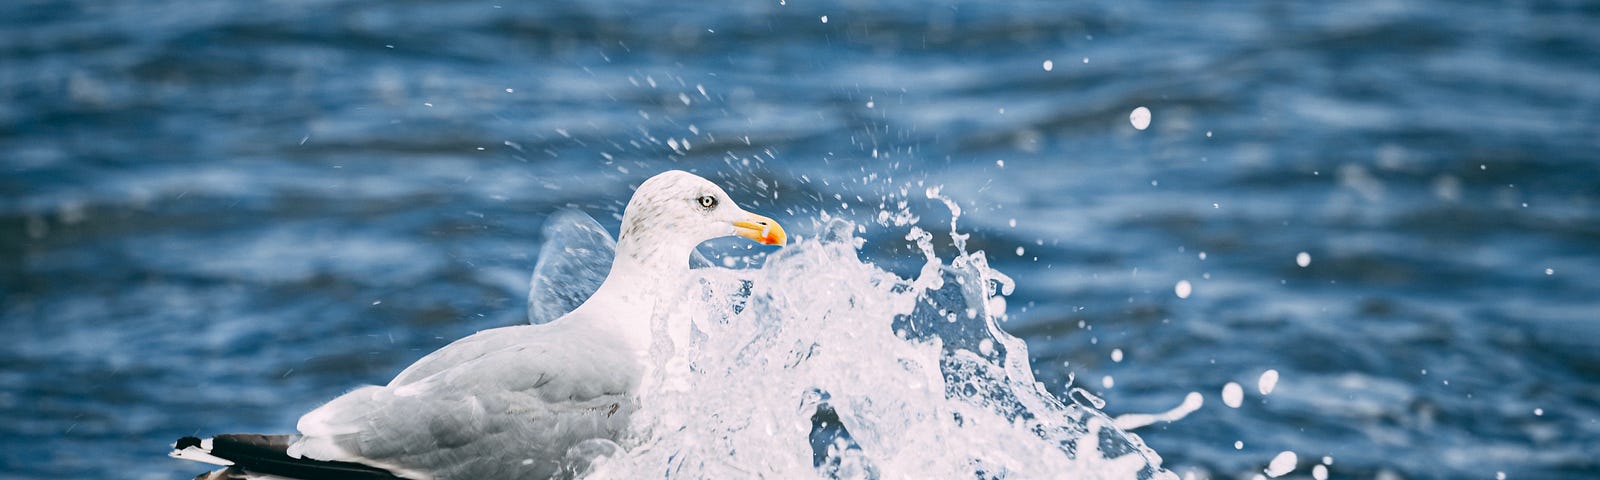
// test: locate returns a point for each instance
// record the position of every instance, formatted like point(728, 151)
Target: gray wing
point(469, 349)
point(508, 412)
point(573, 262)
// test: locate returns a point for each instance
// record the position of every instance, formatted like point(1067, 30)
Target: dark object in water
point(828, 437)
point(833, 452)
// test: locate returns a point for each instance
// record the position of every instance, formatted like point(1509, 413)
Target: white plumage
point(527, 401)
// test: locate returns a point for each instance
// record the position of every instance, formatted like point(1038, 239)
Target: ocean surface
point(218, 215)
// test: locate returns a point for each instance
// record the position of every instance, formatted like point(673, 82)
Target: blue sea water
point(218, 215)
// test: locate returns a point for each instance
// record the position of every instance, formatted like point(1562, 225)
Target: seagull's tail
point(259, 457)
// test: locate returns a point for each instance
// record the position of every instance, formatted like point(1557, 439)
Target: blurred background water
point(218, 215)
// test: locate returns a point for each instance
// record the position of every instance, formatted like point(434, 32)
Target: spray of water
point(820, 361)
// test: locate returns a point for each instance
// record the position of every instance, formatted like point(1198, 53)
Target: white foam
point(1049, 65)
point(1303, 259)
point(1183, 289)
point(733, 400)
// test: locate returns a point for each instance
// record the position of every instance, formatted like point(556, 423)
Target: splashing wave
point(819, 360)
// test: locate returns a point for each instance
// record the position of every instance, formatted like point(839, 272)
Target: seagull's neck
point(628, 300)
point(652, 255)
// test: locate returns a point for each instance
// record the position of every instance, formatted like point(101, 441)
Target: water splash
point(916, 370)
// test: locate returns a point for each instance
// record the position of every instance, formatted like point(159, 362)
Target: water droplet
point(1268, 382)
point(1232, 395)
point(1140, 118)
point(1281, 464)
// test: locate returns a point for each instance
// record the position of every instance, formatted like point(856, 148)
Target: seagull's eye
point(708, 201)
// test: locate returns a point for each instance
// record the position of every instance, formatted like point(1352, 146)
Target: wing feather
point(494, 404)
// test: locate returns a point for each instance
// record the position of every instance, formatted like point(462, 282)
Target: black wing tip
point(267, 454)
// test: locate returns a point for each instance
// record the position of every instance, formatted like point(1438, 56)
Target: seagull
point(523, 401)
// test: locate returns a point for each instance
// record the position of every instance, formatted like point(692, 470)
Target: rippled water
point(221, 214)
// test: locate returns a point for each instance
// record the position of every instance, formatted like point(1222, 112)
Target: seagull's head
point(674, 211)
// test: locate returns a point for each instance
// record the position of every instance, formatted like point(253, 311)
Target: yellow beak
point(761, 229)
